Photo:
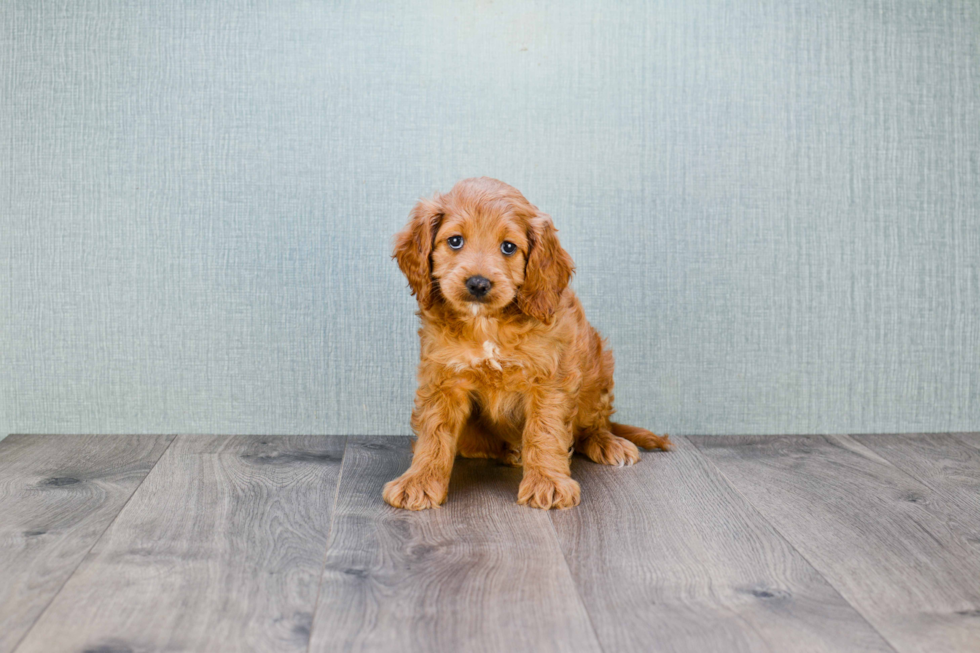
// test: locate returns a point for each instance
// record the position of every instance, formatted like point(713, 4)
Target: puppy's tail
point(641, 437)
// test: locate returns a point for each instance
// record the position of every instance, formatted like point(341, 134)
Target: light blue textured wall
point(774, 205)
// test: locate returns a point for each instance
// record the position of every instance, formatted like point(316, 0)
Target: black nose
point(478, 286)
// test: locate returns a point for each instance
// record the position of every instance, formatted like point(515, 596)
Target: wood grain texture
point(58, 494)
point(947, 463)
point(892, 546)
point(668, 557)
point(969, 439)
point(479, 574)
point(220, 550)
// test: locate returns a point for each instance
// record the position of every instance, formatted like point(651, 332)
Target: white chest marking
point(490, 354)
point(488, 357)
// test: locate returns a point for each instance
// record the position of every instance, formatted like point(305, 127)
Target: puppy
point(510, 368)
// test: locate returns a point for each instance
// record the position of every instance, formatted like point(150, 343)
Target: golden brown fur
point(521, 376)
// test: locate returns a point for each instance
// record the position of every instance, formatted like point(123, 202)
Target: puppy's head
point(482, 247)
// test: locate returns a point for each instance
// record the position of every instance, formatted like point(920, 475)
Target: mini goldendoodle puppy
point(510, 368)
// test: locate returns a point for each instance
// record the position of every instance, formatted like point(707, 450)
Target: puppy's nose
point(478, 286)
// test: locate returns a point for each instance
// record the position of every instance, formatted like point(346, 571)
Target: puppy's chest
point(488, 362)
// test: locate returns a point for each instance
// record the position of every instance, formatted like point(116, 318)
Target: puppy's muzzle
point(478, 286)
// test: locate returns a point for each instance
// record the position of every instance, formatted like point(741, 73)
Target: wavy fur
point(520, 376)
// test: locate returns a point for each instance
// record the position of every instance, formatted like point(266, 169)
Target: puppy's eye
point(508, 248)
point(455, 242)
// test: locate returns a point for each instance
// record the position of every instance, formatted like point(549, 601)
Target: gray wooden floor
point(113, 544)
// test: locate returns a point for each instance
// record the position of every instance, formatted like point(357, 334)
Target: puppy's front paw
point(545, 492)
point(414, 492)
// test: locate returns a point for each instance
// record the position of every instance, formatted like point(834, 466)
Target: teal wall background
point(774, 205)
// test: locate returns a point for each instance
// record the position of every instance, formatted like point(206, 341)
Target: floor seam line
point(571, 578)
point(326, 549)
point(958, 436)
point(788, 542)
point(94, 542)
point(943, 495)
point(891, 461)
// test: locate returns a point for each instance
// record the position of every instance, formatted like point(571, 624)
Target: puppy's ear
point(413, 247)
point(548, 269)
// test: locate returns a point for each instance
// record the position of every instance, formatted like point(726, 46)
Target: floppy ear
point(548, 269)
point(413, 246)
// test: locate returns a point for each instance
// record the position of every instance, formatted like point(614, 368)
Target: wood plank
point(891, 545)
point(58, 493)
point(969, 439)
point(220, 549)
point(667, 556)
point(479, 574)
point(944, 462)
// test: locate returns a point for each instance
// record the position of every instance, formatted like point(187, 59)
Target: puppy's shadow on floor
point(474, 480)
point(479, 484)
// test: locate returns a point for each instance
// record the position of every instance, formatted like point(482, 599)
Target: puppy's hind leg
point(641, 437)
point(478, 441)
point(601, 446)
